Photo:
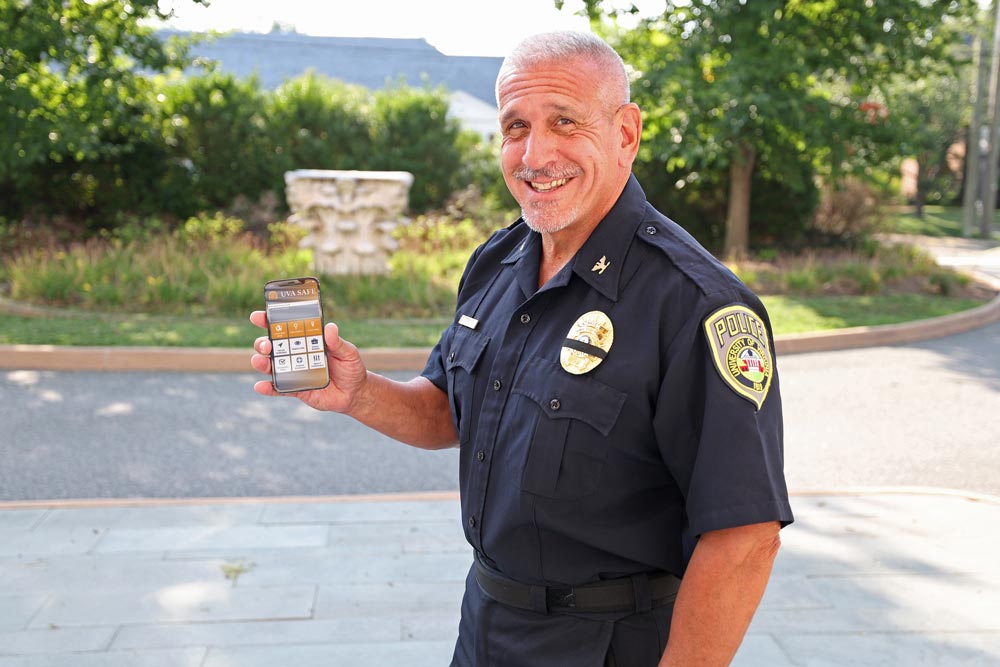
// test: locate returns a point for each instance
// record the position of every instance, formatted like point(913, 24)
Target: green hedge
point(202, 143)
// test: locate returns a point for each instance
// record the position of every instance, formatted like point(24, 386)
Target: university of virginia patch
point(737, 338)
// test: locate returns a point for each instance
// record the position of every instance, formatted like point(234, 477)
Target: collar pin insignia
point(601, 265)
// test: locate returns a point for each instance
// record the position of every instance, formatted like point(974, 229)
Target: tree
point(736, 85)
point(931, 123)
point(75, 103)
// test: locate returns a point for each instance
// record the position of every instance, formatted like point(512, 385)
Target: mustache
point(553, 173)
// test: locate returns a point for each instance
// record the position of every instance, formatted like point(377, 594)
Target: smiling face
point(567, 145)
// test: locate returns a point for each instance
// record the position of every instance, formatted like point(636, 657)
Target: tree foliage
point(73, 91)
point(740, 86)
point(102, 119)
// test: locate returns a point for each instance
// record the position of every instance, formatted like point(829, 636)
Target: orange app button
point(314, 327)
point(296, 328)
point(279, 330)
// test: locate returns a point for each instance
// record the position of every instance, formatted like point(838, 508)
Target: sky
point(454, 27)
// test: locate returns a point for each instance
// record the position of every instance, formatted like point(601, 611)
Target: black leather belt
point(637, 593)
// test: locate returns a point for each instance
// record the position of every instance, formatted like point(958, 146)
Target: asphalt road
point(924, 414)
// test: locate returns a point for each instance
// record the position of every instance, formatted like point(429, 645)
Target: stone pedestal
point(349, 216)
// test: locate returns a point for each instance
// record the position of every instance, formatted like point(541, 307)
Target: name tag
point(469, 322)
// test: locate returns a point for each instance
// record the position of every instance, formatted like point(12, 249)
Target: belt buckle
point(560, 598)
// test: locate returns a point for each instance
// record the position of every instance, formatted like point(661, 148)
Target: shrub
point(216, 128)
point(207, 265)
point(411, 131)
point(212, 141)
point(848, 214)
point(437, 245)
point(318, 123)
point(481, 171)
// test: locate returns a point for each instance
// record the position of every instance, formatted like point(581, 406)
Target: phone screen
point(295, 327)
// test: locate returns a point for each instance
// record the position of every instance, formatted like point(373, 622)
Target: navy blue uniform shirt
point(569, 478)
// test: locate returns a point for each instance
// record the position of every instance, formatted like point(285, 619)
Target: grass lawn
point(813, 314)
point(937, 221)
point(788, 314)
point(142, 330)
point(162, 271)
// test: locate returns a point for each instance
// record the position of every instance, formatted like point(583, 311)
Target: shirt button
point(497, 385)
point(451, 357)
point(472, 522)
point(554, 404)
point(525, 318)
point(651, 230)
point(480, 455)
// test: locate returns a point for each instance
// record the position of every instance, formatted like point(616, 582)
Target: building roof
point(368, 61)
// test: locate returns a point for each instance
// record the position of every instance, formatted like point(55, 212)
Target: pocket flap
point(562, 395)
point(466, 349)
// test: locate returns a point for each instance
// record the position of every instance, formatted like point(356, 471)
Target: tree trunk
point(923, 182)
point(737, 241)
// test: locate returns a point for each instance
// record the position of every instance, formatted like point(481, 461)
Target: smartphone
point(295, 327)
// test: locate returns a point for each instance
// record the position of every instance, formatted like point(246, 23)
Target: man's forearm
point(721, 589)
point(414, 412)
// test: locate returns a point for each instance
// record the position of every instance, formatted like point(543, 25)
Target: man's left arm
point(719, 594)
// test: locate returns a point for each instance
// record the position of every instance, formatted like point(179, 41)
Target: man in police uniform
point(613, 391)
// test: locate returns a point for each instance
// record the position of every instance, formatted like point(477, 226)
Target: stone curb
point(891, 334)
point(225, 360)
point(436, 496)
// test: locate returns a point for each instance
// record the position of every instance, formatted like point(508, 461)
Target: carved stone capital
point(349, 216)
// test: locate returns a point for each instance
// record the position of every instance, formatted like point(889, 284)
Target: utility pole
point(990, 182)
point(972, 201)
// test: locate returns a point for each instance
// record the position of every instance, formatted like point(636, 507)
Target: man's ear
point(631, 130)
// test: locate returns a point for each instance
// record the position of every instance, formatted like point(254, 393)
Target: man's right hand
point(415, 412)
point(347, 372)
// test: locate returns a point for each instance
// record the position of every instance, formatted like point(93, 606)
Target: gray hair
point(567, 45)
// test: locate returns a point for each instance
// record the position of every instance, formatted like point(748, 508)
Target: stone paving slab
point(256, 633)
point(186, 657)
point(20, 520)
point(16, 611)
point(866, 649)
point(211, 538)
point(57, 640)
point(869, 578)
point(106, 573)
point(197, 601)
point(389, 599)
point(162, 516)
point(761, 650)
point(411, 654)
point(361, 512)
point(358, 569)
point(17, 542)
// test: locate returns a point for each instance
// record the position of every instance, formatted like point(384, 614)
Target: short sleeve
point(722, 447)
point(434, 369)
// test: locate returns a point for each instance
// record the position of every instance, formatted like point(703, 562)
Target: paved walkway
point(883, 578)
point(868, 577)
point(981, 256)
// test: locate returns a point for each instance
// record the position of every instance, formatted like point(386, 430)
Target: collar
point(600, 260)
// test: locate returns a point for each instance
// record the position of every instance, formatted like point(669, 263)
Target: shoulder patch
point(737, 339)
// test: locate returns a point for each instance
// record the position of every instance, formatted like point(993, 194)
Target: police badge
point(587, 343)
point(737, 339)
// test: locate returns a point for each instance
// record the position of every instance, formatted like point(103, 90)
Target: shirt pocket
point(464, 352)
point(574, 417)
